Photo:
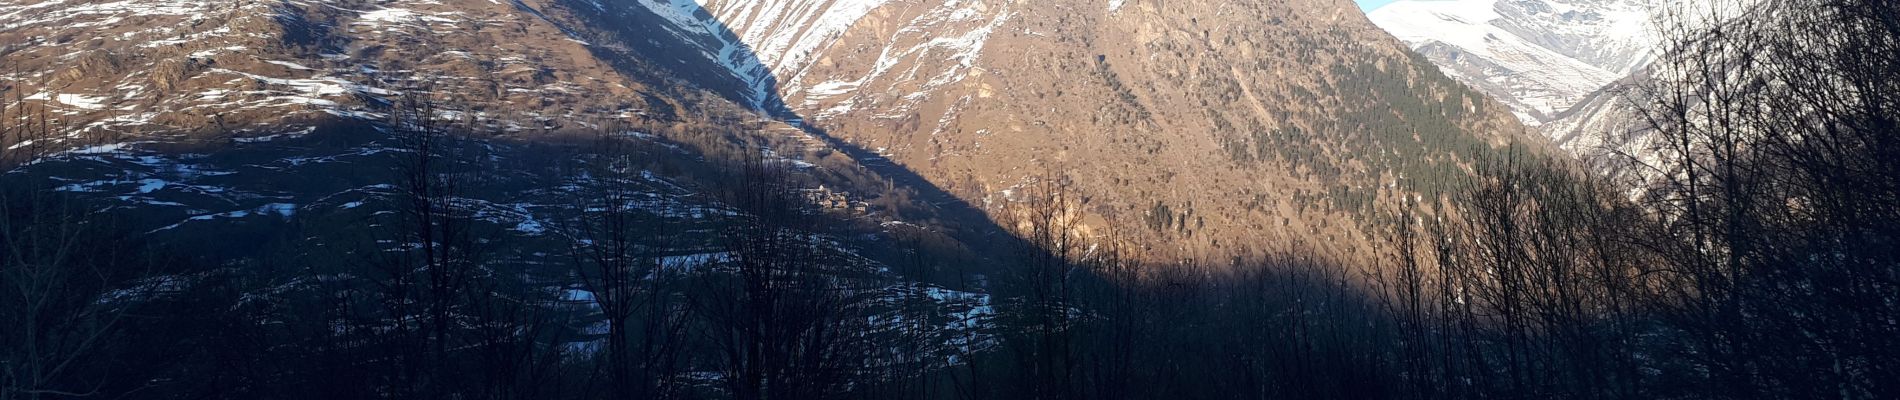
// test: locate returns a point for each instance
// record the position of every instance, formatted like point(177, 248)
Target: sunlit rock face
point(1205, 128)
point(1197, 125)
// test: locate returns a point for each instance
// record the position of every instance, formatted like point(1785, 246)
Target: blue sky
point(1368, 5)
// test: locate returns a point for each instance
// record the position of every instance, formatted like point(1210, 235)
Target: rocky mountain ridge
point(1203, 130)
point(1197, 126)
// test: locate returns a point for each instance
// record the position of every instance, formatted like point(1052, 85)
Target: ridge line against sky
point(1369, 5)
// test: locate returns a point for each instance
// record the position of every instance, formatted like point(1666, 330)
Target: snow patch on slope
point(75, 100)
point(772, 45)
point(760, 40)
point(16, 14)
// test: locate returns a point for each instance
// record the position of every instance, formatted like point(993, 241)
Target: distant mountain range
point(1566, 67)
point(1204, 128)
point(1541, 57)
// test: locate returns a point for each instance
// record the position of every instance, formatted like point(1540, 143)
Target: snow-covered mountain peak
point(1539, 56)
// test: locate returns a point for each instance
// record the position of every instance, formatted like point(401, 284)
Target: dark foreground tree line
point(1756, 257)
